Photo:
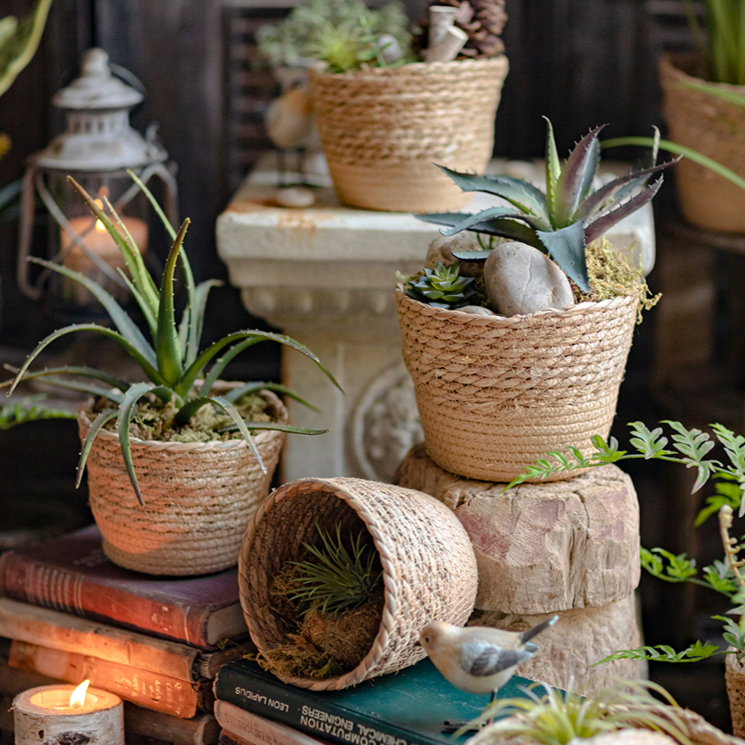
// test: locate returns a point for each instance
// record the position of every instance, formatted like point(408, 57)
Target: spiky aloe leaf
point(277, 427)
point(86, 372)
point(96, 426)
point(567, 248)
point(553, 170)
point(126, 326)
point(522, 194)
point(19, 41)
point(575, 180)
point(167, 346)
point(255, 386)
point(192, 322)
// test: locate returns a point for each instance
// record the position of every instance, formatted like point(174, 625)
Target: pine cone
point(482, 20)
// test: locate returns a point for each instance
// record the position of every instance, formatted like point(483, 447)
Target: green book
point(404, 708)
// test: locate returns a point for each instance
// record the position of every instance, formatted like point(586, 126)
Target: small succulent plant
point(568, 217)
point(179, 373)
point(442, 287)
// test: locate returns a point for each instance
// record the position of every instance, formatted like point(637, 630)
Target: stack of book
point(68, 614)
point(411, 707)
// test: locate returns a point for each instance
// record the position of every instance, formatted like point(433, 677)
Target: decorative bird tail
point(530, 633)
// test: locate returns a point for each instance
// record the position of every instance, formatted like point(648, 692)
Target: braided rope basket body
point(714, 127)
point(383, 129)
point(198, 497)
point(495, 394)
point(734, 672)
point(429, 568)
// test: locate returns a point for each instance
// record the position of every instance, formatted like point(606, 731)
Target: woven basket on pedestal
point(383, 129)
point(715, 128)
point(495, 394)
point(198, 497)
point(429, 568)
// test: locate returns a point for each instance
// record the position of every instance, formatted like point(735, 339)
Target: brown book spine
point(146, 689)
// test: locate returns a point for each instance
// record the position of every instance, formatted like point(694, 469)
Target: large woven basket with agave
point(495, 394)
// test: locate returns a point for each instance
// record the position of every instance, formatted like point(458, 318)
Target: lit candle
point(98, 241)
point(63, 713)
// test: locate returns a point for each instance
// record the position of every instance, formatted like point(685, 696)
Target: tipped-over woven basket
point(714, 127)
point(198, 497)
point(429, 568)
point(495, 394)
point(383, 129)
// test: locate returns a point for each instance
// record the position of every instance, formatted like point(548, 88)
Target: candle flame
point(77, 697)
point(100, 227)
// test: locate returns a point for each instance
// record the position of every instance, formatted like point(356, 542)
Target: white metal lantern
point(97, 149)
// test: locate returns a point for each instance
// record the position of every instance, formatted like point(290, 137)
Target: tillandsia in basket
point(333, 600)
point(384, 114)
point(692, 448)
point(182, 449)
point(531, 333)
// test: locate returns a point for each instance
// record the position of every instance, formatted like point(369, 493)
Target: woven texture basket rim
point(674, 64)
point(412, 68)
point(387, 618)
point(584, 307)
point(186, 447)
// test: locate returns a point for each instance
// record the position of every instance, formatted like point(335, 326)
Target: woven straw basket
point(429, 568)
point(495, 394)
point(198, 497)
point(715, 128)
point(734, 672)
point(383, 129)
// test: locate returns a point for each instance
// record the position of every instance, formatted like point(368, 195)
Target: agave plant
point(177, 370)
point(569, 216)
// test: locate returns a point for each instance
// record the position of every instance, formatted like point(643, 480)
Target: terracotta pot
point(429, 568)
point(713, 127)
point(495, 394)
point(198, 497)
point(383, 129)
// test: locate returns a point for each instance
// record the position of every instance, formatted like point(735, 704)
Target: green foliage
point(722, 47)
point(28, 411)
point(344, 33)
point(176, 368)
point(557, 718)
point(19, 41)
point(664, 653)
point(442, 287)
point(568, 217)
point(338, 580)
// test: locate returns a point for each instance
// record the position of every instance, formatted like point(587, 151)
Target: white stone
point(521, 280)
point(581, 637)
point(542, 548)
point(477, 310)
point(441, 249)
point(297, 197)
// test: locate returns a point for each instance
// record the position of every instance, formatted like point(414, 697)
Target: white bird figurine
point(479, 659)
point(289, 122)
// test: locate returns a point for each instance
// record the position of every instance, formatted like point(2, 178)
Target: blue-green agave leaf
point(522, 194)
point(485, 217)
point(126, 326)
point(600, 225)
point(96, 426)
point(576, 177)
point(567, 248)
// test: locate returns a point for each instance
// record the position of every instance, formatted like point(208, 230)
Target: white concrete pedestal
point(325, 275)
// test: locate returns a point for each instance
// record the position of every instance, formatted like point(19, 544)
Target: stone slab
point(542, 548)
point(579, 638)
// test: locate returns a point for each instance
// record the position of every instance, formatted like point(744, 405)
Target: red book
point(71, 574)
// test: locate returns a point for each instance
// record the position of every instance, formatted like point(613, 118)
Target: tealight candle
point(53, 714)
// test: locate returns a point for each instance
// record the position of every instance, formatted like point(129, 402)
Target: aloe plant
point(176, 368)
point(19, 41)
point(569, 216)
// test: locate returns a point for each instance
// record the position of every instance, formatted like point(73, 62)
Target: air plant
point(178, 372)
point(568, 217)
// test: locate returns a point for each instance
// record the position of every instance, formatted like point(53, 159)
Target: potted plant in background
point(494, 388)
point(174, 471)
point(384, 117)
point(702, 111)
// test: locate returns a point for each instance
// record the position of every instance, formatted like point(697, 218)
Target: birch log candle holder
point(50, 715)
